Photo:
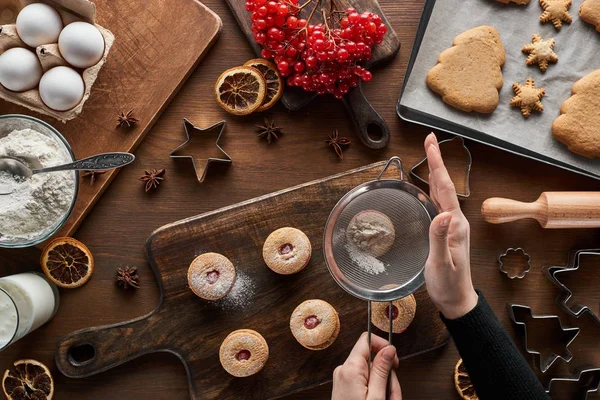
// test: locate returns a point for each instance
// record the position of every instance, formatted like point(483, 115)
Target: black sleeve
point(495, 365)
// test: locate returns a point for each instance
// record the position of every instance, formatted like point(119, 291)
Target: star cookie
point(540, 52)
point(527, 97)
point(556, 11)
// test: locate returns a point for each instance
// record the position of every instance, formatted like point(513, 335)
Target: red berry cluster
point(321, 58)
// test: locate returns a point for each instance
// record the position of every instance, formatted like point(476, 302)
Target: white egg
point(38, 24)
point(81, 44)
point(20, 69)
point(61, 88)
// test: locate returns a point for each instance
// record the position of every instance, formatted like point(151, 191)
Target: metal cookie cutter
point(525, 270)
point(447, 142)
point(588, 380)
point(553, 274)
point(567, 336)
point(204, 163)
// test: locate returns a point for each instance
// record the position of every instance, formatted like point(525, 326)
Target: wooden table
point(117, 228)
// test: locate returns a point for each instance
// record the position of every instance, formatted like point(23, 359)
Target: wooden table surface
point(119, 225)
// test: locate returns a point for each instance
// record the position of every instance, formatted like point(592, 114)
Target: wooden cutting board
point(370, 126)
point(158, 43)
point(193, 329)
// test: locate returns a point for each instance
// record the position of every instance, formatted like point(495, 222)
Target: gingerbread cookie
point(590, 12)
point(403, 313)
point(519, 2)
point(287, 251)
point(211, 276)
point(527, 97)
point(540, 52)
point(372, 232)
point(315, 324)
point(468, 75)
point(243, 353)
point(556, 11)
point(578, 126)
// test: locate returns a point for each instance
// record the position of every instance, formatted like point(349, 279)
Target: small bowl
point(11, 122)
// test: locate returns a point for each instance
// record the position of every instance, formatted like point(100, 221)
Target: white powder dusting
point(37, 204)
point(365, 261)
point(241, 295)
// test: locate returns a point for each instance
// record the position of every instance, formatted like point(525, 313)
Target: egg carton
point(49, 55)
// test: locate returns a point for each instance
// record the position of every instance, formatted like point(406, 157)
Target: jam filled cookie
point(287, 251)
point(372, 232)
point(315, 324)
point(403, 313)
point(243, 353)
point(211, 276)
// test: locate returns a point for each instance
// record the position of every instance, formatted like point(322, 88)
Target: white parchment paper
point(578, 50)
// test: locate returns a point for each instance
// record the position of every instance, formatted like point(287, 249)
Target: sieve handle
point(397, 162)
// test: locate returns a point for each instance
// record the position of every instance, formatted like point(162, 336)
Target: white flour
point(364, 261)
point(37, 204)
point(241, 294)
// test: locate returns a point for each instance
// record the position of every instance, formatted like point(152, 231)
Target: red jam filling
point(311, 322)
point(212, 276)
point(242, 355)
point(286, 249)
point(394, 311)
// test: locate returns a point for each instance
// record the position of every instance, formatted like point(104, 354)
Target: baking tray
point(422, 118)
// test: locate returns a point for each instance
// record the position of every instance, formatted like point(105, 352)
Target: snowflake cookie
point(527, 97)
point(540, 52)
point(556, 11)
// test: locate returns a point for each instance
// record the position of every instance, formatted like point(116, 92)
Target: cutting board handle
point(93, 350)
point(372, 129)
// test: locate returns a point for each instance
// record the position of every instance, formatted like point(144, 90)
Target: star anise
point(126, 119)
point(336, 141)
point(93, 174)
point(127, 277)
point(152, 177)
point(269, 130)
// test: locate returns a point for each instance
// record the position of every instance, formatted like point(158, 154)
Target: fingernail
point(389, 353)
point(433, 147)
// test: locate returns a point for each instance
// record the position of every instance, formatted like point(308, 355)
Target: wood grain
point(371, 128)
point(153, 54)
point(122, 220)
point(194, 329)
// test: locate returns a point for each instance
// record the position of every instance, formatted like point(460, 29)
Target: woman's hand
point(353, 381)
point(448, 268)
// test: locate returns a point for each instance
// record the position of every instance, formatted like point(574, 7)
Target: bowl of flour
point(34, 208)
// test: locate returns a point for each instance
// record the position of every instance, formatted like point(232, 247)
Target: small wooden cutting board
point(157, 46)
point(193, 329)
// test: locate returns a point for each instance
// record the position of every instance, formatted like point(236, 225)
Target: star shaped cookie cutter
point(526, 257)
point(442, 144)
point(553, 273)
point(190, 129)
point(590, 378)
point(568, 336)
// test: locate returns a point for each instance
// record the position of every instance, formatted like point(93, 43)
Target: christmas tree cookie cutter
point(455, 144)
point(526, 262)
point(567, 336)
point(588, 380)
point(201, 165)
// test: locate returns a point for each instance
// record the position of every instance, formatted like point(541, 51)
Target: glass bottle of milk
point(27, 301)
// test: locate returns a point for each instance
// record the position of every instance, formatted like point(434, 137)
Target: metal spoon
point(23, 168)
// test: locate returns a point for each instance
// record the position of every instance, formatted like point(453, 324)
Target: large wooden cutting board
point(193, 329)
point(158, 43)
point(370, 126)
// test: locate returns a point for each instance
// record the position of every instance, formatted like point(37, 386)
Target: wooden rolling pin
point(553, 210)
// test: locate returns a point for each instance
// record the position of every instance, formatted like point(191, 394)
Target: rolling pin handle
point(497, 210)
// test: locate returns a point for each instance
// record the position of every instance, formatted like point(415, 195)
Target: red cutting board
point(158, 43)
point(193, 329)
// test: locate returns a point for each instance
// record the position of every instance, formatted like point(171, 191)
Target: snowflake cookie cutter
point(565, 294)
point(568, 336)
point(190, 131)
point(467, 173)
point(588, 379)
point(527, 263)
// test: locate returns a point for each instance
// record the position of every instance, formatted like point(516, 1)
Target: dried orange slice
point(28, 379)
point(273, 80)
point(67, 262)
point(463, 383)
point(241, 90)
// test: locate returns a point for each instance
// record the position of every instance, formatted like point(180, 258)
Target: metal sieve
point(411, 212)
